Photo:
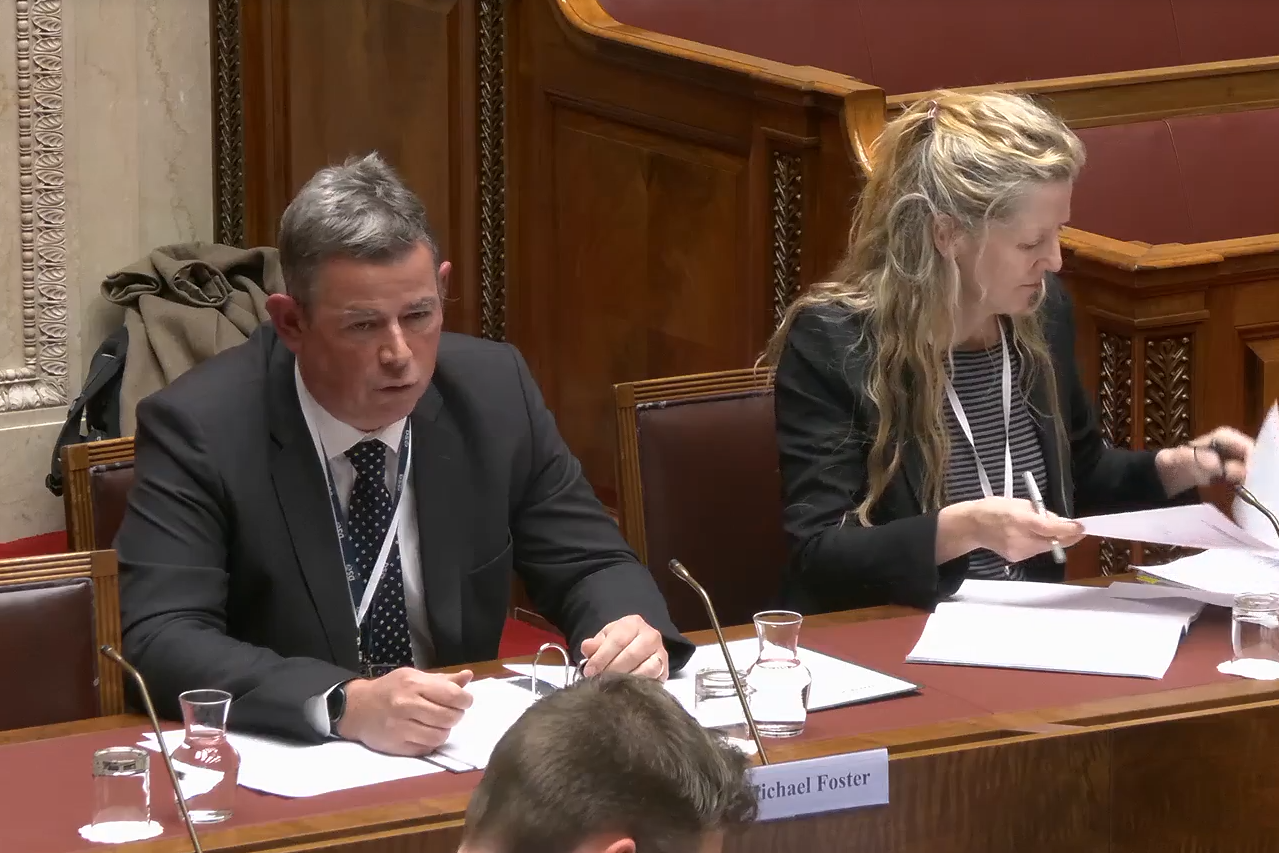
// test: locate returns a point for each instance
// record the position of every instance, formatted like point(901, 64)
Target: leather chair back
point(84, 501)
point(55, 611)
point(108, 495)
point(49, 672)
point(699, 481)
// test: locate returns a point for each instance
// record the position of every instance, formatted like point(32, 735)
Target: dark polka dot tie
point(385, 633)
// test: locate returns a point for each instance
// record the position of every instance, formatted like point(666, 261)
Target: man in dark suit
point(351, 433)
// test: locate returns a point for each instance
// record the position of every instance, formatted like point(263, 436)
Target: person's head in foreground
point(611, 764)
point(958, 224)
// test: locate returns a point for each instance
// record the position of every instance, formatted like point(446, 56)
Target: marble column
point(105, 152)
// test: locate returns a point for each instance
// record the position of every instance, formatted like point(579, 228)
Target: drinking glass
point(779, 681)
point(1254, 631)
point(208, 766)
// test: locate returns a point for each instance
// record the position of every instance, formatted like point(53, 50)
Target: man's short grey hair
point(360, 210)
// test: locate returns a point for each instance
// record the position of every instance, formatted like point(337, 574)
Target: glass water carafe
point(778, 681)
point(208, 766)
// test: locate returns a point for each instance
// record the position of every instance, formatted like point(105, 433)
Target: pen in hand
point(1059, 556)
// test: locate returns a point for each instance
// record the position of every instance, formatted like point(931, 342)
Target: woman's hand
point(1222, 454)
point(1008, 526)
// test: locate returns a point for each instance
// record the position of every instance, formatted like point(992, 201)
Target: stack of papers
point(1238, 558)
point(1054, 627)
point(296, 770)
point(835, 682)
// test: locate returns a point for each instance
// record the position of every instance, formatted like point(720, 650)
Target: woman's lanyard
point(1006, 390)
point(349, 557)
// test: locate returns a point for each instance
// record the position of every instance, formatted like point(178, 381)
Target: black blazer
point(230, 571)
point(825, 427)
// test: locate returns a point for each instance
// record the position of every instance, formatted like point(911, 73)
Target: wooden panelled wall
point(614, 223)
point(634, 206)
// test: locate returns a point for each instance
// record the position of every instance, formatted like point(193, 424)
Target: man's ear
point(288, 317)
point(622, 845)
point(442, 280)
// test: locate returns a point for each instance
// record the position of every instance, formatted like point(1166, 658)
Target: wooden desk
point(981, 760)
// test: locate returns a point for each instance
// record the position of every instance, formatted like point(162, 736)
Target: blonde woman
point(916, 388)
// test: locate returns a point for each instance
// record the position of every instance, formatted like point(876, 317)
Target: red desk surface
point(46, 786)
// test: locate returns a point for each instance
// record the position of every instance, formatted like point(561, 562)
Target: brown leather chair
point(98, 476)
point(55, 612)
point(698, 478)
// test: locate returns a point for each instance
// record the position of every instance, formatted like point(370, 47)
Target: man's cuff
point(316, 710)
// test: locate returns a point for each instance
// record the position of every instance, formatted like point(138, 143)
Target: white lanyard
point(1006, 390)
point(384, 554)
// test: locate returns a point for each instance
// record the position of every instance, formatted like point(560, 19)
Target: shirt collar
point(332, 436)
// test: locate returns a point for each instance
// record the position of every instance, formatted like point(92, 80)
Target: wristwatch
point(337, 705)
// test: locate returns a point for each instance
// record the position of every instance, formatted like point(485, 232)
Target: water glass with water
point(1254, 626)
point(121, 792)
point(208, 766)
point(779, 681)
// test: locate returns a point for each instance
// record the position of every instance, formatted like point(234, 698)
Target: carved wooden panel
point(644, 237)
point(1167, 408)
point(1114, 393)
point(228, 124)
point(788, 198)
point(1167, 392)
point(321, 81)
point(492, 110)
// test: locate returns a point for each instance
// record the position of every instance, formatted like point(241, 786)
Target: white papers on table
point(1054, 627)
point(1191, 526)
point(498, 704)
point(298, 770)
point(835, 682)
point(1215, 577)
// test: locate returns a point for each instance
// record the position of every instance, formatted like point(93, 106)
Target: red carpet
point(518, 638)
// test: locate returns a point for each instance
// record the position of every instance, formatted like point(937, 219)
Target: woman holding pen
point(931, 383)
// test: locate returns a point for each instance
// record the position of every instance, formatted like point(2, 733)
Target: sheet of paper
point(1028, 627)
point(1194, 526)
point(497, 706)
point(835, 682)
point(1263, 482)
point(1154, 591)
point(307, 770)
point(1224, 574)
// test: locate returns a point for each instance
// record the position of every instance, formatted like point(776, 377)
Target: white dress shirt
point(333, 438)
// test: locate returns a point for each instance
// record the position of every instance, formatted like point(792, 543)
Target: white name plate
point(816, 785)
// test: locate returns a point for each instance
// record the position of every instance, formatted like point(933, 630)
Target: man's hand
point(627, 645)
point(405, 712)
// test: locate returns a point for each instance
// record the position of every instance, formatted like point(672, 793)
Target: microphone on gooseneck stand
point(683, 574)
point(159, 737)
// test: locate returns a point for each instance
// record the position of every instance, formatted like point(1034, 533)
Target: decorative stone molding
point(41, 381)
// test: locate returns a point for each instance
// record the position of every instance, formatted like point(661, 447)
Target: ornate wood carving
point(1167, 391)
point(228, 135)
point(492, 121)
point(1114, 394)
point(787, 230)
point(1167, 419)
point(41, 381)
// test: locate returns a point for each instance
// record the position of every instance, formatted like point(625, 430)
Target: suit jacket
point(231, 573)
point(826, 424)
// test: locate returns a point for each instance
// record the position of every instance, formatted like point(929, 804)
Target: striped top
point(977, 384)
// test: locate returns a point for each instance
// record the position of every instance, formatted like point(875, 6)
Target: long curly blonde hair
point(970, 157)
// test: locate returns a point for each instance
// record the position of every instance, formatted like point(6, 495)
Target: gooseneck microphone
point(159, 737)
point(683, 574)
point(1240, 489)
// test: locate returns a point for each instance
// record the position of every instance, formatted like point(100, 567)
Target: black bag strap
point(105, 366)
